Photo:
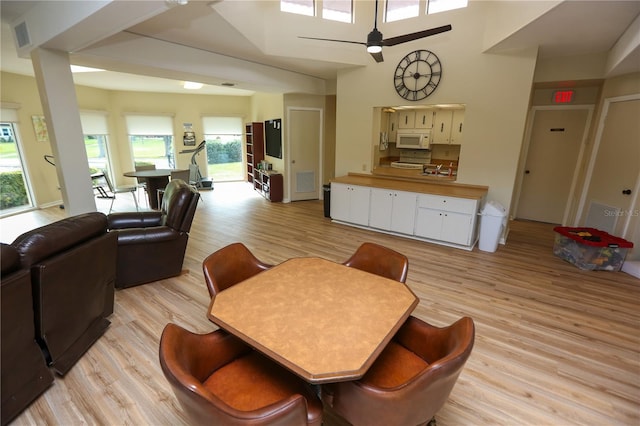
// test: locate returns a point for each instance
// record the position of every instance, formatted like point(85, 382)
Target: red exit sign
point(563, 96)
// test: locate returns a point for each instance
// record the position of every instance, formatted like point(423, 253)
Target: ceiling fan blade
point(415, 36)
point(339, 41)
point(377, 56)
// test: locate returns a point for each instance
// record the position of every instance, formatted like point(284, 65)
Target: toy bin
point(590, 249)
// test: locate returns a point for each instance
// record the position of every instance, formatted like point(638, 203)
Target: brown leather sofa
point(152, 244)
point(24, 371)
point(73, 266)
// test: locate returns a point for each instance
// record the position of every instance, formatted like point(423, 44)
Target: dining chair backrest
point(230, 265)
point(380, 260)
point(143, 166)
point(181, 174)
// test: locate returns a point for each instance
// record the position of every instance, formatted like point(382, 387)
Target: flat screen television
point(273, 137)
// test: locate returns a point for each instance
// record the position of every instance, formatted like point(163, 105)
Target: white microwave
point(420, 140)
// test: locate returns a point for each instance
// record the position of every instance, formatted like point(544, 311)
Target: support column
point(60, 106)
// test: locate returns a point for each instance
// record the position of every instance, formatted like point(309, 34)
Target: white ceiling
point(237, 31)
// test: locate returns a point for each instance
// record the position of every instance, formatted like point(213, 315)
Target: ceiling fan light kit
point(375, 40)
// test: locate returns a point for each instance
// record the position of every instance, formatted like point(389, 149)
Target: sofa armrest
point(157, 234)
point(134, 219)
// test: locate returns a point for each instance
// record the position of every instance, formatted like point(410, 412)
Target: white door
point(615, 170)
point(554, 148)
point(304, 139)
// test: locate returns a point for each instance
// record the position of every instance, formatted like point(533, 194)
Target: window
point(15, 191)
point(337, 10)
point(301, 7)
point(94, 128)
point(397, 10)
point(151, 140)
point(436, 6)
point(334, 10)
point(224, 148)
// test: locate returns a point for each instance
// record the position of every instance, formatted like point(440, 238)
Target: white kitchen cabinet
point(446, 219)
point(406, 119)
point(447, 127)
point(424, 119)
point(392, 210)
point(350, 203)
point(393, 126)
point(457, 126)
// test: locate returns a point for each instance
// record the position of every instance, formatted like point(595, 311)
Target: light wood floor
point(554, 345)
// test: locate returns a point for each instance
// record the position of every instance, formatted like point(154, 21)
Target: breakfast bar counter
point(420, 207)
point(413, 183)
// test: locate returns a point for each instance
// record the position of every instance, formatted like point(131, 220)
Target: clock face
point(417, 75)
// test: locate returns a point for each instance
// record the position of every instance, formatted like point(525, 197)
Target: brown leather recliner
point(73, 266)
point(411, 379)
point(152, 244)
point(219, 380)
point(24, 371)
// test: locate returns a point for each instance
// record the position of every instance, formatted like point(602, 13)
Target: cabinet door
point(403, 214)
point(429, 223)
point(340, 200)
point(457, 126)
point(441, 133)
point(393, 126)
point(381, 208)
point(456, 228)
point(406, 120)
point(359, 205)
point(424, 119)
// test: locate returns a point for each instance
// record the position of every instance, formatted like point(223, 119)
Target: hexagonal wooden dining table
point(322, 320)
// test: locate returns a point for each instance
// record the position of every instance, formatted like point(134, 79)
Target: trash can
point(327, 200)
point(493, 218)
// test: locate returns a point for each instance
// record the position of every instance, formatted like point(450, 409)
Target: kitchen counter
point(415, 174)
point(414, 181)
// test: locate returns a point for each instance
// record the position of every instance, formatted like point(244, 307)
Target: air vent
point(22, 34)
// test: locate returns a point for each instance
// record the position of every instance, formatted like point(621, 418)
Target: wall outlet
point(364, 167)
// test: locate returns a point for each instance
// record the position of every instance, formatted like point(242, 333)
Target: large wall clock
point(417, 75)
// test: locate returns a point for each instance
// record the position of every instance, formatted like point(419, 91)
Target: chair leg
point(135, 200)
point(112, 200)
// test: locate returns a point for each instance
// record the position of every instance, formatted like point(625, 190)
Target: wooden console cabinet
point(254, 141)
point(269, 184)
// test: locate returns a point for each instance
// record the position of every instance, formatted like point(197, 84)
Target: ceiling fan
point(375, 41)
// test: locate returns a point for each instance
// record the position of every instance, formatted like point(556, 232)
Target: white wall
point(494, 88)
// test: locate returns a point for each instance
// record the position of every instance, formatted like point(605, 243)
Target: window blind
point(143, 125)
point(94, 123)
point(222, 125)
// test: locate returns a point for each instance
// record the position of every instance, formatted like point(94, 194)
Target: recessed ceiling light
point(78, 68)
point(192, 86)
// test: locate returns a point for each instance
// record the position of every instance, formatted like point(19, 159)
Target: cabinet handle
point(460, 128)
point(424, 117)
point(441, 127)
point(626, 192)
point(406, 119)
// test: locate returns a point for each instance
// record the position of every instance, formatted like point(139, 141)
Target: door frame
point(524, 154)
point(320, 111)
point(594, 154)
